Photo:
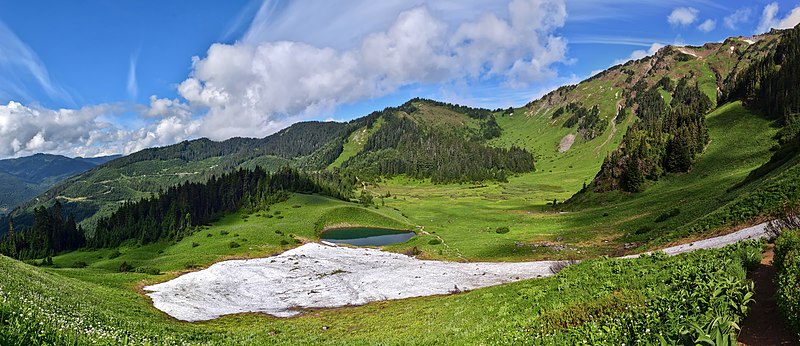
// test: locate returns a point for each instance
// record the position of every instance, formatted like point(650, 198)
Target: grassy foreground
point(599, 301)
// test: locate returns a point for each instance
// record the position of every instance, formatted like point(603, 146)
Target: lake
point(366, 236)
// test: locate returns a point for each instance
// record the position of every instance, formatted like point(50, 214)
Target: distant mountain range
point(26, 177)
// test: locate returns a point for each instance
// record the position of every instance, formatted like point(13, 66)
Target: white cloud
point(741, 15)
point(683, 16)
point(707, 26)
point(19, 64)
point(133, 88)
point(640, 53)
point(770, 20)
point(91, 131)
point(27, 130)
point(163, 108)
point(252, 87)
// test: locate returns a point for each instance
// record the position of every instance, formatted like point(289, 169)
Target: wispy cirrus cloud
point(132, 86)
point(19, 65)
point(739, 16)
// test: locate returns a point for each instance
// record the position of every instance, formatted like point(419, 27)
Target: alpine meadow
point(400, 173)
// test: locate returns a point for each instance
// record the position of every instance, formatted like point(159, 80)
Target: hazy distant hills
point(25, 177)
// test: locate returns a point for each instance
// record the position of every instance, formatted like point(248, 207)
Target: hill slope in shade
point(26, 177)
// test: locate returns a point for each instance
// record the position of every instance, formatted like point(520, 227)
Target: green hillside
point(685, 144)
point(97, 305)
point(26, 177)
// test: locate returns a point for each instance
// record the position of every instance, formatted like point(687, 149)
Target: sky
point(99, 77)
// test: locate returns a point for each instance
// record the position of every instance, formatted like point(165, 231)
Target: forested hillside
point(443, 142)
point(25, 177)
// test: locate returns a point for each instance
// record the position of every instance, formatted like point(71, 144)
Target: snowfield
point(323, 276)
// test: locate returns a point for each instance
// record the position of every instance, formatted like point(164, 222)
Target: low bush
point(502, 230)
point(787, 263)
point(668, 215)
point(148, 270)
point(125, 267)
point(435, 241)
point(234, 245)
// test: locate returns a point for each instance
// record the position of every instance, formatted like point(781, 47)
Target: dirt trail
point(613, 131)
point(764, 325)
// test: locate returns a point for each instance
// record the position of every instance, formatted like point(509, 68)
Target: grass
point(355, 143)
point(257, 234)
point(597, 301)
point(740, 142)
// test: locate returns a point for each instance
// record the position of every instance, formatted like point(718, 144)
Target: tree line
point(173, 213)
point(50, 234)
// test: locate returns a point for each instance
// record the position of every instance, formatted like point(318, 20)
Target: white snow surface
point(323, 276)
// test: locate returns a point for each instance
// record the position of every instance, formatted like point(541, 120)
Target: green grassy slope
point(285, 225)
point(598, 301)
point(740, 142)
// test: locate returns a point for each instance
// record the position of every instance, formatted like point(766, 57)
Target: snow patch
point(320, 276)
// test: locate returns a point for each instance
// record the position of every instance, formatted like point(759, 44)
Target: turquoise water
point(366, 236)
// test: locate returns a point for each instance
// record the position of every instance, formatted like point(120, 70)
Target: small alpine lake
point(366, 236)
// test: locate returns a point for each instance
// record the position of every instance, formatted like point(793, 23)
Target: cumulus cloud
point(27, 130)
point(640, 53)
point(741, 15)
point(683, 16)
point(92, 130)
point(707, 26)
point(251, 88)
point(770, 19)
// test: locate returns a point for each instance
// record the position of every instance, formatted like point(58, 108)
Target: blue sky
point(102, 77)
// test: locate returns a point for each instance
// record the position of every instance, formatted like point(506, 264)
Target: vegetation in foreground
point(787, 263)
point(690, 298)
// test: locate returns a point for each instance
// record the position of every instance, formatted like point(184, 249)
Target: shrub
point(436, 241)
point(234, 245)
point(668, 215)
point(644, 229)
point(414, 251)
point(194, 244)
point(284, 242)
point(502, 230)
point(79, 264)
point(223, 232)
point(125, 267)
point(787, 263)
point(148, 270)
